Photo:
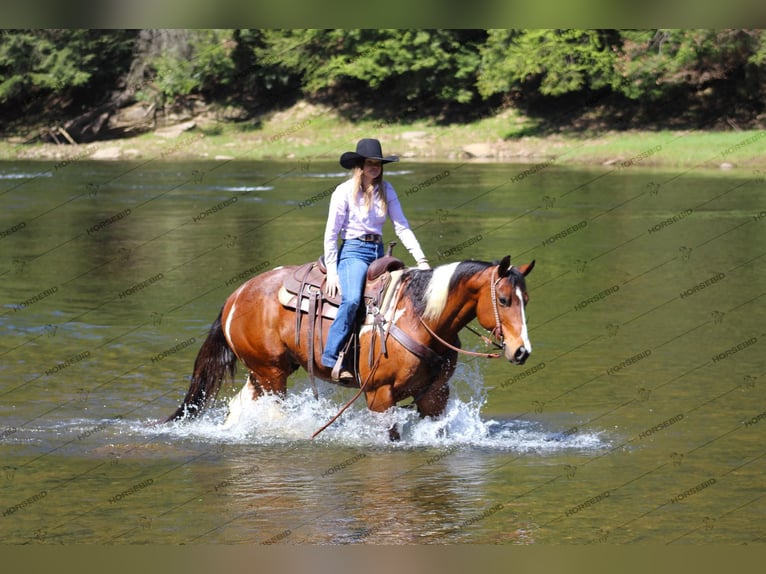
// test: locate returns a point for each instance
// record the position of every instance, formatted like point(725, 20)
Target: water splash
point(271, 421)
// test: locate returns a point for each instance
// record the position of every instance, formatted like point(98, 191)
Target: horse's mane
point(428, 290)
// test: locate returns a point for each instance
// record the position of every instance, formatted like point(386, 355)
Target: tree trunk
point(100, 122)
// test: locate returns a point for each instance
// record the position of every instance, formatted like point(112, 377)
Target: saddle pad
point(388, 294)
point(290, 301)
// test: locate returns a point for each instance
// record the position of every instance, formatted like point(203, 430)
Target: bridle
point(497, 332)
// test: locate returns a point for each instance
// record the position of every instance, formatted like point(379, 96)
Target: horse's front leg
point(434, 401)
point(380, 400)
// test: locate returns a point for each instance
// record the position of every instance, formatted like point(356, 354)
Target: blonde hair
point(369, 194)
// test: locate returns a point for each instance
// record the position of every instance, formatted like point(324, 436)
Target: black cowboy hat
point(366, 148)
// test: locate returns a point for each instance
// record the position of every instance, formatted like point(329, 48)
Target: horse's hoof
point(393, 434)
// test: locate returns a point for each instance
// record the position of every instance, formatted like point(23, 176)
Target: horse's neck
point(457, 314)
point(473, 304)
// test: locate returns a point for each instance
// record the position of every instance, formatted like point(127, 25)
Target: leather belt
point(371, 238)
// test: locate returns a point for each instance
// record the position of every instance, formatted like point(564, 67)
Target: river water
point(639, 417)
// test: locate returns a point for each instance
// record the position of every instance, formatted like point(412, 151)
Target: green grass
point(305, 132)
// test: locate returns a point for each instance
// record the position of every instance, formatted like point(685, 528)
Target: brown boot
point(341, 373)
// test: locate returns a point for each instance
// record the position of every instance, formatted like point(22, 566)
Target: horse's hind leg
point(250, 391)
point(255, 387)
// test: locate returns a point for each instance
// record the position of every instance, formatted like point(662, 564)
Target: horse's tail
point(215, 363)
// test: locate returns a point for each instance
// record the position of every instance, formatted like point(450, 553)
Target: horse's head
point(502, 308)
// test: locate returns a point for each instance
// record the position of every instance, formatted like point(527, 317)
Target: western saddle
point(304, 291)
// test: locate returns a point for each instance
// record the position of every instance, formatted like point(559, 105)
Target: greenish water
point(639, 417)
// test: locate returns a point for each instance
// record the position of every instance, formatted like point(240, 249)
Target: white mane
point(438, 290)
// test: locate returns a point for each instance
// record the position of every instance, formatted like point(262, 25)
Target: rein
point(350, 401)
point(458, 349)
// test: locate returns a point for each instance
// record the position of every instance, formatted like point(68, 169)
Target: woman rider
point(358, 209)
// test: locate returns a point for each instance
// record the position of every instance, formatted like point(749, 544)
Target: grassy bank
point(306, 132)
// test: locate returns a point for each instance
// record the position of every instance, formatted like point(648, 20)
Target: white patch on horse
point(227, 326)
point(438, 290)
point(230, 317)
point(524, 333)
point(236, 405)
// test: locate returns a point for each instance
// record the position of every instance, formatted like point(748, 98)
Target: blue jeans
point(354, 257)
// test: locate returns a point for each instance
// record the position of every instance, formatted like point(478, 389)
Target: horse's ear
point(527, 269)
point(504, 267)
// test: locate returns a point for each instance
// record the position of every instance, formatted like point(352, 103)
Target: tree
point(656, 63)
point(196, 62)
point(35, 64)
point(551, 62)
point(710, 76)
point(404, 69)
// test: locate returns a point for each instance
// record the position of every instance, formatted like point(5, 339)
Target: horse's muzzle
point(519, 356)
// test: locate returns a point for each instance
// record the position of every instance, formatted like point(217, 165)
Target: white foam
point(271, 420)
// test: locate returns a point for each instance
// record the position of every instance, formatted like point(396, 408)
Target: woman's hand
point(423, 264)
point(332, 287)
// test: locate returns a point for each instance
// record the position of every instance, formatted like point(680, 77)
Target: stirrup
point(339, 372)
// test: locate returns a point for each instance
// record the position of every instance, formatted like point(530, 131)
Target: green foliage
point(398, 73)
point(402, 66)
point(203, 69)
point(655, 64)
point(554, 62)
point(758, 57)
point(34, 62)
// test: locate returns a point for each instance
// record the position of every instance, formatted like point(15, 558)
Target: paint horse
point(414, 344)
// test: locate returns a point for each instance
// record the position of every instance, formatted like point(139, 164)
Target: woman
point(358, 210)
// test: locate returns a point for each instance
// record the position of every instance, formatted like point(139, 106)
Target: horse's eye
point(504, 301)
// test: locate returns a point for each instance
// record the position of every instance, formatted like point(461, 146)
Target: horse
point(416, 349)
